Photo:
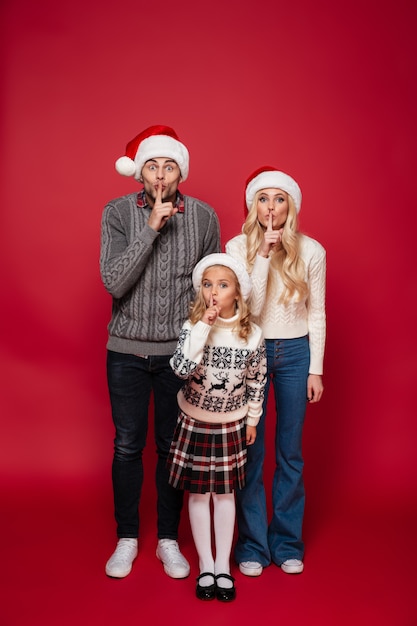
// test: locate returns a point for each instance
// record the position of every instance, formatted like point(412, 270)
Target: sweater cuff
point(254, 415)
point(252, 421)
point(148, 235)
point(316, 365)
point(262, 263)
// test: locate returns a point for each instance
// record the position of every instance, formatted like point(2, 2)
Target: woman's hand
point(271, 238)
point(314, 387)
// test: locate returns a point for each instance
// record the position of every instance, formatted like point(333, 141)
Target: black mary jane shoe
point(205, 593)
point(225, 594)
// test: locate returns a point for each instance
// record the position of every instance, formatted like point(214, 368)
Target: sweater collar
point(222, 322)
point(179, 202)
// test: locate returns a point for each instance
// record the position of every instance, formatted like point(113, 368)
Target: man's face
point(160, 171)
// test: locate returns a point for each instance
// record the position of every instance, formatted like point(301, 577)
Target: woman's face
point(274, 202)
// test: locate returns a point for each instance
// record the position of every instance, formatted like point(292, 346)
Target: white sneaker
point(292, 566)
point(251, 568)
point(175, 564)
point(120, 563)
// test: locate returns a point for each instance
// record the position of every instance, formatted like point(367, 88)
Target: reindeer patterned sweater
point(225, 374)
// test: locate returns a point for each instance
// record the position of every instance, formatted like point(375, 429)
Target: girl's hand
point(250, 435)
point(271, 238)
point(211, 313)
point(314, 387)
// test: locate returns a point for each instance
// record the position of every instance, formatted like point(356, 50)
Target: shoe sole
point(292, 570)
point(119, 574)
point(251, 571)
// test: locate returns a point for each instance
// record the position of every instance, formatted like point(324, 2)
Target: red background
point(323, 90)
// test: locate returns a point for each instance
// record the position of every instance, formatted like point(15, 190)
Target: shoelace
point(172, 553)
point(125, 548)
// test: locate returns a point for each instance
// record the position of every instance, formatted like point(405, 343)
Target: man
point(150, 243)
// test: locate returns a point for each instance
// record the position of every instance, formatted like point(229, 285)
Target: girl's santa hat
point(267, 177)
point(154, 142)
point(221, 258)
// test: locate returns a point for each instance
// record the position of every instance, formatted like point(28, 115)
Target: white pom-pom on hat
point(153, 142)
point(221, 258)
point(125, 166)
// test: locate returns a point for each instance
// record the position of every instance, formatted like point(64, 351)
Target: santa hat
point(270, 178)
point(220, 258)
point(154, 142)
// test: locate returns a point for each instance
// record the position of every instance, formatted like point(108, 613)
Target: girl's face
point(274, 202)
point(219, 286)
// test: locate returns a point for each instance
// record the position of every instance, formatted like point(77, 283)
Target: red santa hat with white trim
point(268, 177)
point(153, 142)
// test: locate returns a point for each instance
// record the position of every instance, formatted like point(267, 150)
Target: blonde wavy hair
point(243, 322)
point(285, 258)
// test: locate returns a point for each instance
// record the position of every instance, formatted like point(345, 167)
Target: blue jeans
point(288, 365)
point(131, 380)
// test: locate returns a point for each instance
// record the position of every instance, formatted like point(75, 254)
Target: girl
point(221, 355)
point(288, 299)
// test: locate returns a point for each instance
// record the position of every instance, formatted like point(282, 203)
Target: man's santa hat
point(267, 177)
point(154, 142)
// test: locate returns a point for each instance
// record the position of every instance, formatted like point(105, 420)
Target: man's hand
point(161, 211)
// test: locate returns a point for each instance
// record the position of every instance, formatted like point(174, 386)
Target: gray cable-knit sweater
point(148, 273)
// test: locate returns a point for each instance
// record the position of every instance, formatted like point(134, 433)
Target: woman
point(288, 302)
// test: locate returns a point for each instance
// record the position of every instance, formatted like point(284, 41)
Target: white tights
point(223, 525)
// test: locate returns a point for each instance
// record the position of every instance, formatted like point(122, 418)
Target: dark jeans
point(131, 380)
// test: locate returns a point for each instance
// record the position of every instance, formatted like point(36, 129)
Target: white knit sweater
point(297, 318)
point(225, 374)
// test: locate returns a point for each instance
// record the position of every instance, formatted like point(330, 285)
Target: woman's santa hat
point(154, 142)
point(267, 177)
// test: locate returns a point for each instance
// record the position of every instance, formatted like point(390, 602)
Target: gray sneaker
point(175, 564)
point(120, 563)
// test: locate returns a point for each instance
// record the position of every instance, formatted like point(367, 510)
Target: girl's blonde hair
point(243, 322)
point(286, 258)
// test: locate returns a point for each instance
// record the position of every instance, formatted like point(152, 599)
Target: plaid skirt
point(207, 457)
